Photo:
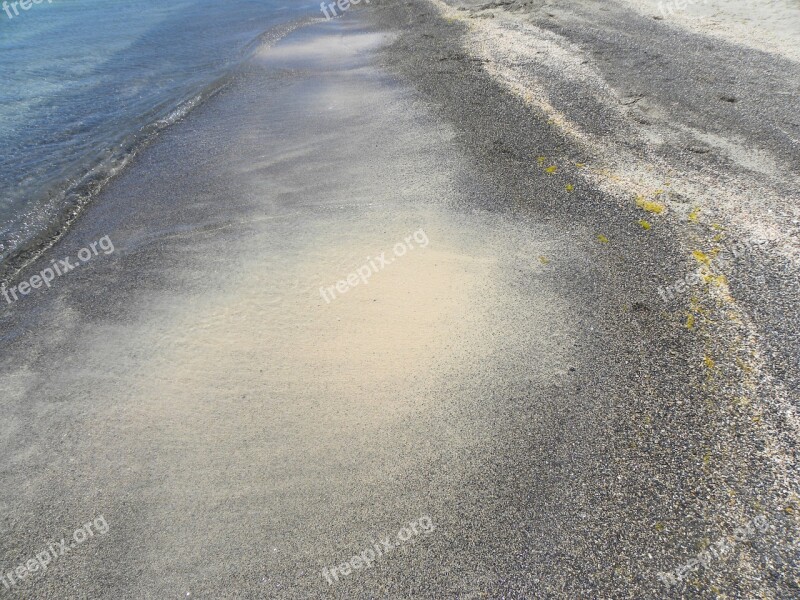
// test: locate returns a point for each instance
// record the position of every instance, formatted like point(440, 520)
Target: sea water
point(84, 82)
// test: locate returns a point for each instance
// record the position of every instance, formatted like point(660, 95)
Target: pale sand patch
point(259, 392)
point(768, 25)
point(424, 314)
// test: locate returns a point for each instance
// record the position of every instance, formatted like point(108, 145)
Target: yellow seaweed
point(650, 206)
point(701, 257)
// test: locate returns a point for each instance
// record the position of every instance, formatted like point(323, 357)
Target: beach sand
point(238, 433)
point(516, 379)
point(766, 25)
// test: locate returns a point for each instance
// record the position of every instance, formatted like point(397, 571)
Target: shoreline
point(67, 202)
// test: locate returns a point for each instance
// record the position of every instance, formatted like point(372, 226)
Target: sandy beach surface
point(397, 292)
point(767, 25)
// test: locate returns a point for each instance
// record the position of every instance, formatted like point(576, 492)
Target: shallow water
point(83, 81)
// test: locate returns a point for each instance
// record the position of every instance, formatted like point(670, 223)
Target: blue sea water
point(82, 82)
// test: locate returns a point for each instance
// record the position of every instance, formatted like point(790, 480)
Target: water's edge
point(75, 197)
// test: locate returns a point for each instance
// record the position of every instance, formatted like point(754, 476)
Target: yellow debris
point(603, 239)
point(644, 224)
point(701, 257)
point(540, 159)
point(544, 260)
point(695, 214)
point(569, 187)
point(690, 321)
point(649, 205)
point(708, 361)
point(551, 170)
